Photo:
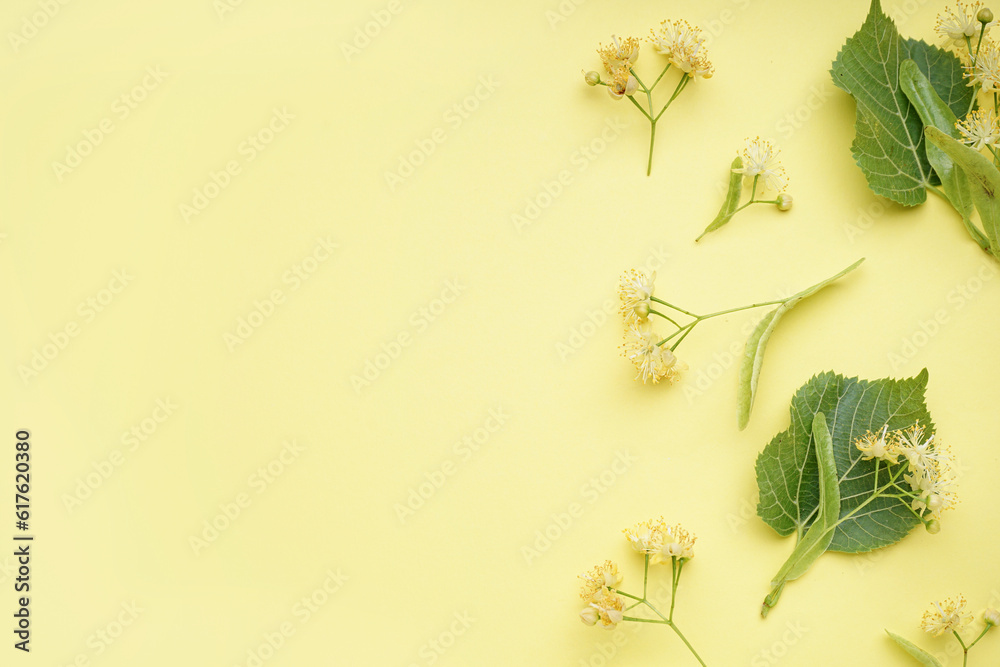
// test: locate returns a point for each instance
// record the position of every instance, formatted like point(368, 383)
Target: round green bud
point(592, 78)
point(985, 15)
point(642, 310)
point(784, 201)
point(933, 526)
point(992, 617)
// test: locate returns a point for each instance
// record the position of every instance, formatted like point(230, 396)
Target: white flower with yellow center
point(947, 616)
point(878, 446)
point(654, 362)
point(980, 128)
point(622, 83)
point(760, 159)
point(618, 53)
point(609, 609)
point(646, 537)
point(677, 543)
point(986, 71)
point(599, 581)
point(957, 24)
point(635, 290)
point(683, 45)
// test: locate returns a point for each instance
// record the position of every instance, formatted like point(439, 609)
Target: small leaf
point(983, 179)
point(934, 112)
point(888, 145)
point(732, 198)
point(921, 656)
point(753, 353)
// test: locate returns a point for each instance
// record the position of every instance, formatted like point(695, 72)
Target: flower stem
point(659, 77)
point(667, 318)
point(670, 305)
point(636, 619)
point(645, 577)
point(652, 138)
point(981, 635)
point(677, 91)
point(639, 107)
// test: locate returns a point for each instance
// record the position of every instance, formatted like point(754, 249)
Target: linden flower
point(654, 362)
point(980, 128)
point(955, 25)
point(618, 53)
point(946, 617)
point(647, 537)
point(760, 158)
point(986, 71)
point(622, 83)
point(677, 543)
point(683, 44)
point(599, 581)
point(878, 447)
point(635, 291)
point(920, 453)
point(608, 609)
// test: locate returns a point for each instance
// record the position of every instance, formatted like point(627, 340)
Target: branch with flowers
point(683, 46)
point(653, 355)
point(948, 616)
point(758, 165)
point(606, 602)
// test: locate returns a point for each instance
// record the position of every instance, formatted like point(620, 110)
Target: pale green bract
point(889, 142)
point(920, 655)
point(792, 467)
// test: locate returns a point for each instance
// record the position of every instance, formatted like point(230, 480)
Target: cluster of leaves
point(909, 97)
point(814, 482)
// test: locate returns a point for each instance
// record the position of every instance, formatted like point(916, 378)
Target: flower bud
point(933, 526)
point(642, 310)
point(985, 15)
point(934, 502)
point(991, 617)
point(589, 615)
point(784, 201)
point(592, 78)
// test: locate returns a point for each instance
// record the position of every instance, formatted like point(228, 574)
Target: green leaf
point(732, 198)
point(789, 473)
point(983, 179)
point(935, 112)
point(888, 145)
point(753, 353)
point(921, 656)
point(944, 71)
point(817, 539)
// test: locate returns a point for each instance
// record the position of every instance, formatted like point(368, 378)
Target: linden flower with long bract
point(961, 23)
point(947, 616)
point(760, 160)
point(654, 362)
point(980, 128)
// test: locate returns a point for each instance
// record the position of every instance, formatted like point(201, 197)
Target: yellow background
point(527, 334)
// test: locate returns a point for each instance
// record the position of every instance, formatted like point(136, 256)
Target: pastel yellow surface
point(383, 324)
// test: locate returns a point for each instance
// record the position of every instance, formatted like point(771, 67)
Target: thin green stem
point(681, 339)
point(981, 635)
point(938, 191)
point(673, 590)
point(736, 310)
point(686, 327)
point(670, 305)
point(659, 77)
point(639, 107)
point(688, 644)
point(645, 577)
point(635, 619)
point(877, 461)
point(979, 44)
point(666, 317)
point(753, 193)
point(652, 139)
point(629, 595)
point(677, 91)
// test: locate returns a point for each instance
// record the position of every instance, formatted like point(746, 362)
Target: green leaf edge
point(920, 655)
point(732, 201)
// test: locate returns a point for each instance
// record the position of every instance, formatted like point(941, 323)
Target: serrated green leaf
point(732, 198)
point(984, 183)
point(935, 112)
point(921, 656)
point(753, 352)
point(788, 473)
point(888, 145)
point(945, 73)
